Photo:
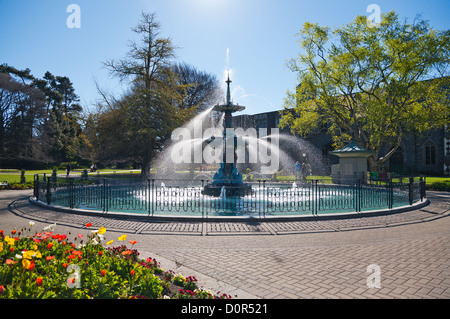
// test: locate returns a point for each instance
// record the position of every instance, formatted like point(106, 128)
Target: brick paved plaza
point(298, 259)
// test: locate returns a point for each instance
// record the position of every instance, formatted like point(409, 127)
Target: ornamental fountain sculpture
point(228, 180)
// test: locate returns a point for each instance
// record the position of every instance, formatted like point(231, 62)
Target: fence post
point(148, 196)
point(202, 201)
point(153, 196)
point(104, 196)
point(411, 190)
point(36, 186)
point(422, 188)
point(358, 196)
point(71, 193)
point(391, 194)
point(49, 195)
point(314, 202)
point(388, 193)
point(265, 203)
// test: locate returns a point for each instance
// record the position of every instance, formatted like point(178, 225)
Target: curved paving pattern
point(302, 259)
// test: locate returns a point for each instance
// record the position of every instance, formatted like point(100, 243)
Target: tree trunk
point(146, 163)
point(374, 164)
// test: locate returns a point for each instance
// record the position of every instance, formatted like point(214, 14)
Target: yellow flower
point(26, 263)
point(123, 237)
point(110, 242)
point(10, 241)
point(1, 247)
point(102, 230)
point(38, 254)
point(28, 254)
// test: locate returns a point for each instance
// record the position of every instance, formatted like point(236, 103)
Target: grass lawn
point(11, 176)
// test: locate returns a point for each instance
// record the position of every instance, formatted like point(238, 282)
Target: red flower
point(132, 272)
point(39, 281)
point(13, 231)
point(100, 253)
point(103, 273)
point(38, 234)
point(49, 246)
point(88, 225)
point(32, 265)
point(2, 289)
point(65, 265)
point(2, 233)
point(81, 236)
point(50, 257)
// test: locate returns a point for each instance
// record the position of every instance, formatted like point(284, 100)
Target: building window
point(430, 154)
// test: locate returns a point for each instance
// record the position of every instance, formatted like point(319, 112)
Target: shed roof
point(353, 150)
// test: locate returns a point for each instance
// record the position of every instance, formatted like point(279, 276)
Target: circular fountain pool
point(169, 199)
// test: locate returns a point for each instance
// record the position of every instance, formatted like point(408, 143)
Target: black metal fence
point(167, 197)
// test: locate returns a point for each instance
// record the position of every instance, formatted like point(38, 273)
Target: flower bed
point(44, 264)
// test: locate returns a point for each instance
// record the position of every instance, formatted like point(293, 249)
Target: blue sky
point(258, 34)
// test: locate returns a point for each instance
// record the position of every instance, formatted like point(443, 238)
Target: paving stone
point(287, 259)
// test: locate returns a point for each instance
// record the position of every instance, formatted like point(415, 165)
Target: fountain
point(228, 177)
point(209, 142)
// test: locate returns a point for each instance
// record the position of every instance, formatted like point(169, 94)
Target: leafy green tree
point(162, 96)
point(64, 116)
point(370, 84)
point(21, 114)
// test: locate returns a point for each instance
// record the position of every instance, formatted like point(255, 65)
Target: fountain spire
point(228, 90)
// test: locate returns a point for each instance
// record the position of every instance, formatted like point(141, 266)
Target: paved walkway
point(304, 259)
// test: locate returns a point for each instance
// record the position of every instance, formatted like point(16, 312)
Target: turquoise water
point(265, 201)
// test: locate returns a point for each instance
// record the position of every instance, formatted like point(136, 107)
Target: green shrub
point(440, 186)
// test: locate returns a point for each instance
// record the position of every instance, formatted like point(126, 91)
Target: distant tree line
point(39, 120)
point(42, 123)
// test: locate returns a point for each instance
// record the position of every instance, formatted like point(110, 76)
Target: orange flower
point(49, 246)
point(38, 235)
point(50, 257)
point(127, 252)
point(13, 231)
point(103, 273)
point(10, 262)
point(65, 265)
point(132, 272)
point(39, 281)
point(132, 242)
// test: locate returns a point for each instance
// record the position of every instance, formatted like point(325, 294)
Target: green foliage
point(370, 84)
point(41, 264)
point(440, 186)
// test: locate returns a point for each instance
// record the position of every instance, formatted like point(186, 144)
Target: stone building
point(427, 153)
